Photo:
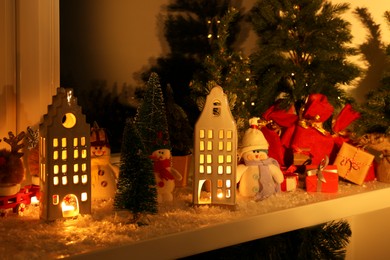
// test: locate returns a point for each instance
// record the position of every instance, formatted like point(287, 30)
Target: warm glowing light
point(219, 183)
point(55, 199)
point(75, 179)
point(63, 142)
point(201, 168)
point(201, 133)
point(56, 169)
point(220, 169)
point(75, 167)
point(67, 207)
point(228, 169)
point(219, 194)
point(228, 183)
point(228, 158)
point(208, 169)
point(84, 153)
point(83, 167)
point(220, 146)
point(82, 141)
point(64, 180)
point(76, 154)
point(220, 135)
point(55, 155)
point(201, 158)
point(69, 120)
point(229, 134)
point(209, 158)
point(84, 178)
point(75, 141)
point(209, 133)
point(220, 158)
point(201, 145)
point(63, 155)
point(55, 142)
point(64, 168)
point(56, 180)
point(228, 193)
point(84, 196)
point(228, 146)
point(209, 145)
point(34, 200)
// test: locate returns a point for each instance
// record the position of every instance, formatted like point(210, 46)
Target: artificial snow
point(28, 237)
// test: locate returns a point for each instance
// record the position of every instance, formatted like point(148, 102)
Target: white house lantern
point(215, 152)
point(65, 161)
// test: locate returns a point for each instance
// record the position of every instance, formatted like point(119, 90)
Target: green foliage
point(136, 184)
point(151, 120)
point(301, 50)
point(226, 68)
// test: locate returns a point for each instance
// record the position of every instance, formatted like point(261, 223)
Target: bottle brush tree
point(136, 190)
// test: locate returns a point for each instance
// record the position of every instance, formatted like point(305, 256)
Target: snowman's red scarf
point(160, 167)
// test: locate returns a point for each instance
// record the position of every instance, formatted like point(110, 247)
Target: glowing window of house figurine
point(64, 142)
point(215, 152)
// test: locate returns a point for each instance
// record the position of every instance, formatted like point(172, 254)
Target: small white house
point(215, 152)
point(65, 160)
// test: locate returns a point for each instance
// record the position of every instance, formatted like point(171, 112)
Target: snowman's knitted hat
point(253, 139)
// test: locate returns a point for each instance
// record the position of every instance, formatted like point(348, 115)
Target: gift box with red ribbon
point(322, 178)
point(353, 163)
point(291, 178)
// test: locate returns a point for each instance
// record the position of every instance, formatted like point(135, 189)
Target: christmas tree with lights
point(227, 68)
point(302, 49)
point(136, 183)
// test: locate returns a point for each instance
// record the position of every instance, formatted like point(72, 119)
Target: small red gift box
point(291, 178)
point(322, 179)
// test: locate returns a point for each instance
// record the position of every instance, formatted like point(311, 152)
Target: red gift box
point(322, 179)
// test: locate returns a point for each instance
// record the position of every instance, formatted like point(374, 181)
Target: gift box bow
point(319, 171)
point(317, 110)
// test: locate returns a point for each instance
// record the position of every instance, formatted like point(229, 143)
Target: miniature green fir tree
point(136, 190)
point(302, 49)
point(151, 120)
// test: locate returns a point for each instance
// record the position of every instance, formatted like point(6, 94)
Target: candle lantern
point(65, 161)
point(215, 152)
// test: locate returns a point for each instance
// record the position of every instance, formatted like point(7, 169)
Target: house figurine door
point(215, 152)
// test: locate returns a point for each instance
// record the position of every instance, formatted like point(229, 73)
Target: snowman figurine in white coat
point(164, 173)
point(259, 176)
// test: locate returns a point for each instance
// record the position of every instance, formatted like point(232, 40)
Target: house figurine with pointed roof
point(215, 152)
point(65, 161)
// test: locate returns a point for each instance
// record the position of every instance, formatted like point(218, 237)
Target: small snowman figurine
point(259, 176)
point(165, 174)
point(104, 174)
